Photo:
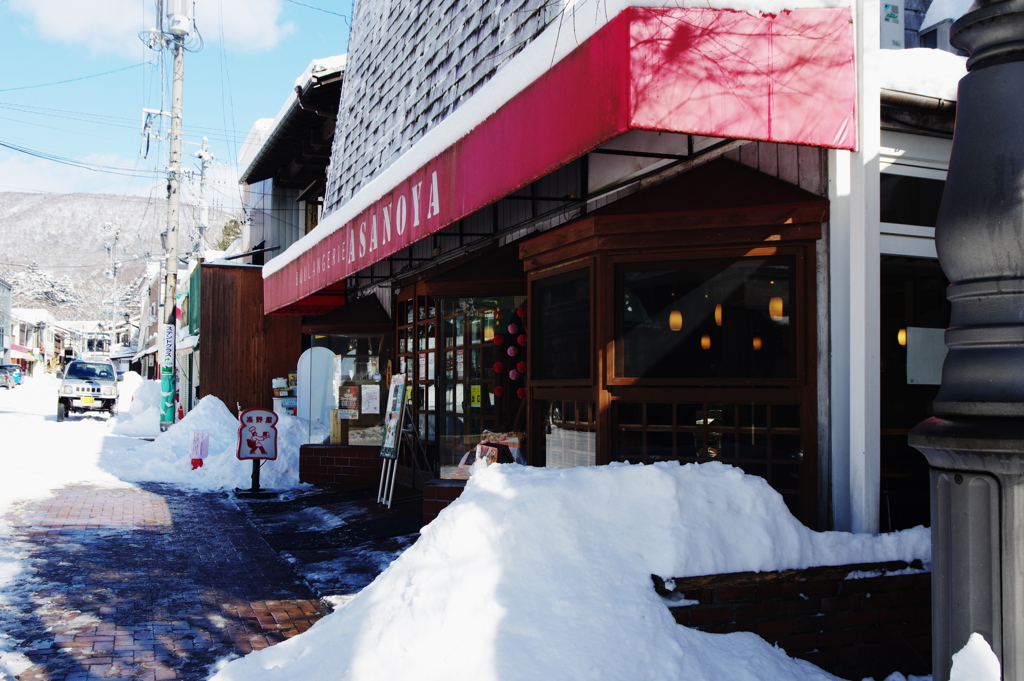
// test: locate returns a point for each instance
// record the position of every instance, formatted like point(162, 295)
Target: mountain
point(55, 249)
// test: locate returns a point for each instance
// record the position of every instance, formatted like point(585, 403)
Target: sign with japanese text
point(257, 435)
point(348, 402)
point(167, 346)
point(199, 444)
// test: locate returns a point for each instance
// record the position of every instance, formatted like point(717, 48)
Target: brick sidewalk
point(150, 583)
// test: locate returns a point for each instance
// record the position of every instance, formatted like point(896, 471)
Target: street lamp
point(975, 442)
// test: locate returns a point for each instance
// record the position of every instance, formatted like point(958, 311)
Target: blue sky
point(253, 51)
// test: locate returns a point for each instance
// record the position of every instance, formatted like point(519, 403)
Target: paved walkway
point(151, 583)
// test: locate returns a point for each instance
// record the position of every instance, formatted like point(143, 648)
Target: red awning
point(785, 78)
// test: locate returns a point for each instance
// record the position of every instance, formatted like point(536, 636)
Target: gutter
point(914, 101)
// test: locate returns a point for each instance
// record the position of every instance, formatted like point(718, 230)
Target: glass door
point(483, 380)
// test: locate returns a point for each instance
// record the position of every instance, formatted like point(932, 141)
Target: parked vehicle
point(6, 380)
point(14, 370)
point(87, 386)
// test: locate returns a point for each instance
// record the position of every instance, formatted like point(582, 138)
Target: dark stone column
point(975, 442)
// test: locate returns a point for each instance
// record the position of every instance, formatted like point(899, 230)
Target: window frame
point(613, 369)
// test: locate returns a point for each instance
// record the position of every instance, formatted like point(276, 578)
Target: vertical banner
point(167, 376)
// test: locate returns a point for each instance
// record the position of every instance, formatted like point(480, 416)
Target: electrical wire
point(347, 19)
point(73, 80)
point(96, 167)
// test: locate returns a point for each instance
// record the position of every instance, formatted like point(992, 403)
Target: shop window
point(706, 319)
point(914, 315)
point(480, 383)
point(567, 433)
point(561, 330)
point(907, 200)
point(761, 439)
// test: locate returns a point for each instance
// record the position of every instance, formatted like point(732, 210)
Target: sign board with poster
point(348, 402)
point(257, 435)
point(393, 418)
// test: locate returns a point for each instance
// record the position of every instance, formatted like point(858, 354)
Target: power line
point(72, 80)
point(96, 167)
point(325, 11)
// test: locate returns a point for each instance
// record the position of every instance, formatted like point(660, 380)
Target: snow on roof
point(922, 71)
point(258, 134)
point(32, 315)
point(941, 10)
point(263, 129)
point(581, 20)
point(541, 573)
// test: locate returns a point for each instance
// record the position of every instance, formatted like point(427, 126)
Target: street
point(100, 578)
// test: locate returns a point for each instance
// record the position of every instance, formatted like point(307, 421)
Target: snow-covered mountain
point(56, 248)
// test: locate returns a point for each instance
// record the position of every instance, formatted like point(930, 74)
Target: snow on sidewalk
point(545, 574)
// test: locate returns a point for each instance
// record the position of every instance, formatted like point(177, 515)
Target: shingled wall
point(410, 64)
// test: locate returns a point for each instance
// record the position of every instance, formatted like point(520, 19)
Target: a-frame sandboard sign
point(392, 439)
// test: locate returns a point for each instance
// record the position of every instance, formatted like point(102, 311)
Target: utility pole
point(179, 26)
point(169, 336)
point(206, 160)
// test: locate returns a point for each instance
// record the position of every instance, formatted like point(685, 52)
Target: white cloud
point(108, 26)
point(248, 25)
point(113, 26)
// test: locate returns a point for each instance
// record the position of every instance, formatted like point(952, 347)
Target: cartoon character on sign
point(257, 436)
point(256, 441)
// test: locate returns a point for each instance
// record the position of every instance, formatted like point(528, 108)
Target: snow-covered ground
point(531, 574)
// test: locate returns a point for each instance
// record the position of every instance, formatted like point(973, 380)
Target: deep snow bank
point(168, 457)
point(546, 574)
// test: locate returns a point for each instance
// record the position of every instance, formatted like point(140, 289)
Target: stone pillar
point(975, 442)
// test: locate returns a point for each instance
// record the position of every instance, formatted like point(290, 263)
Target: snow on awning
point(142, 353)
point(785, 78)
point(186, 345)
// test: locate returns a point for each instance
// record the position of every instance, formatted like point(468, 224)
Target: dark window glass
point(930, 39)
point(910, 200)
point(913, 294)
point(707, 319)
point(561, 330)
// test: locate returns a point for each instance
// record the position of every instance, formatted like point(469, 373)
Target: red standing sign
point(257, 435)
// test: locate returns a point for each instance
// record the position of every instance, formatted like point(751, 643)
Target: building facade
point(638, 234)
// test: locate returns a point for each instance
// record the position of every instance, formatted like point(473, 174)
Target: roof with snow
point(922, 71)
point(273, 144)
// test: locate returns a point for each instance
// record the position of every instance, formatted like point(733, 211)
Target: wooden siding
point(242, 349)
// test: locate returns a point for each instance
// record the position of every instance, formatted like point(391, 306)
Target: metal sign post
point(257, 440)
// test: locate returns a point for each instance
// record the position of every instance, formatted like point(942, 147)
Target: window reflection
point(707, 319)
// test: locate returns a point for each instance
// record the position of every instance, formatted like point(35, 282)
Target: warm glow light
point(705, 342)
point(902, 336)
point(488, 333)
point(718, 314)
point(675, 320)
point(775, 309)
point(757, 342)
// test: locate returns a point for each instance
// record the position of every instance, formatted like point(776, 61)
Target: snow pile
point(138, 406)
point(975, 662)
point(546, 574)
point(922, 71)
point(168, 458)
